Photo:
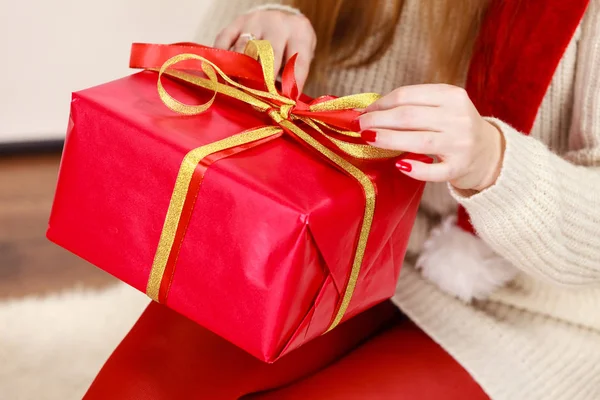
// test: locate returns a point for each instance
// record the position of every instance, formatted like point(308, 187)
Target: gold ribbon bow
point(281, 111)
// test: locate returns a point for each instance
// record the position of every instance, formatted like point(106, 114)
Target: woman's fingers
point(278, 43)
point(438, 120)
point(403, 118)
point(305, 50)
point(433, 95)
point(251, 29)
point(228, 36)
point(440, 172)
point(304, 45)
point(419, 142)
point(288, 34)
point(240, 44)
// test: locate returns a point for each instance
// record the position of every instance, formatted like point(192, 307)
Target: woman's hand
point(438, 120)
point(288, 33)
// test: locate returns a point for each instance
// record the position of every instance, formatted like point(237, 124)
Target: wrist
point(496, 155)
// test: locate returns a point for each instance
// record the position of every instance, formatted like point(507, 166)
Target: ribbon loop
point(175, 104)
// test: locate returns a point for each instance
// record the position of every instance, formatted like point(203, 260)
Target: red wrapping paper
point(271, 239)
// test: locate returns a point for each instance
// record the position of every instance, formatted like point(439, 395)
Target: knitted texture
point(538, 338)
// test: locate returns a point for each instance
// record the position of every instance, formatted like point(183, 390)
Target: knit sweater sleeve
point(543, 213)
point(221, 13)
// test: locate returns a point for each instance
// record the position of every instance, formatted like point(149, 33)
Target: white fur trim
point(462, 264)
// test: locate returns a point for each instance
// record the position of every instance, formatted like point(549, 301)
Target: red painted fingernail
point(368, 136)
point(356, 125)
point(404, 166)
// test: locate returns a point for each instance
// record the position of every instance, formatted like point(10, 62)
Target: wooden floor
point(29, 263)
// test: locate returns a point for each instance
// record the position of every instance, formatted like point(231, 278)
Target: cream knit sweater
point(538, 338)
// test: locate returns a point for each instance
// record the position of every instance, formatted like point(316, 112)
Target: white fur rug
point(51, 348)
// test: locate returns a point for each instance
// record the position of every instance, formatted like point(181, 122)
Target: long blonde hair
point(345, 25)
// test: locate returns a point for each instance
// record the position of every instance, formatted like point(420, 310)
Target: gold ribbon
point(280, 109)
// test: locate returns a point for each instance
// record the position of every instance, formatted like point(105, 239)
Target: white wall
point(50, 48)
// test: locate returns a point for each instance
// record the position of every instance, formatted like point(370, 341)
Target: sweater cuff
point(540, 214)
point(275, 7)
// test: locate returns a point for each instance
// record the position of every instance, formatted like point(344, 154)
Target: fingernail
point(356, 124)
point(368, 136)
point(403, 166)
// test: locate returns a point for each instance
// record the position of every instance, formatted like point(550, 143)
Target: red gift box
point(248, 218)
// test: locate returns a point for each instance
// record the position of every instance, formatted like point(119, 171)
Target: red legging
point(377, 355)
